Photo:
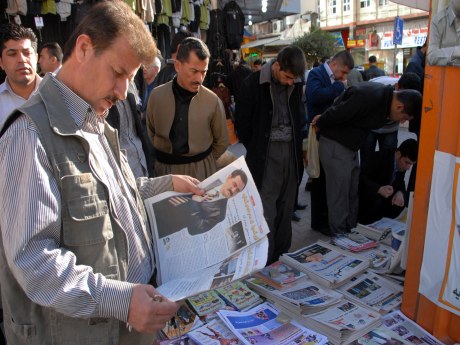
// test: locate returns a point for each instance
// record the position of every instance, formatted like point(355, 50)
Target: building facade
point(367, 26)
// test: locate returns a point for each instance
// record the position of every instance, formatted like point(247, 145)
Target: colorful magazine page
point(409, 330)
point(206, 303)
point(279, 274)
point(214, 333)
point(184, 321)
point(261, 326)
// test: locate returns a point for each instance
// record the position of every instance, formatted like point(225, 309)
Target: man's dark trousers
point(277, 193)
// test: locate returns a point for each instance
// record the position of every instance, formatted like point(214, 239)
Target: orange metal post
point(440, 131)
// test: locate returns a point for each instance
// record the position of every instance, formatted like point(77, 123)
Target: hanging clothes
point(234, 25)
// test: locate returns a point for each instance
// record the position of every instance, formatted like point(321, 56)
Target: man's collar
point(5, 86)
point(266, 73)
point(328, 70)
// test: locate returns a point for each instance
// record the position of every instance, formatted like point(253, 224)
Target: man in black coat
point(381, 182)
point(269, 117)
point(343, 128)
point(197, 214)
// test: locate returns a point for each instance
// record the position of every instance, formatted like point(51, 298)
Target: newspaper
point(374, 291)
point(409, 330)
point(203, 242)
point(354, 242)
point(326, 263)
point(380, 336)
point(304, 297)
point(261, 326)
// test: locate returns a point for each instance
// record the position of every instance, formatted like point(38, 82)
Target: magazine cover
point(239, 295)
point(326, 263)
point(206, 303)
point(202, 242)
point(261, 326)
point(184, 321)
point(409, 330)
point(214, 333)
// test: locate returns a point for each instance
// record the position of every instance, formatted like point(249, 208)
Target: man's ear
point(83, 47)
point(177, 65)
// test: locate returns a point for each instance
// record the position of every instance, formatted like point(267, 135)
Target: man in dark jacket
point(373, 71)
point(269, 117)
point(324, 84)
point(381, 182)
point(344, 127)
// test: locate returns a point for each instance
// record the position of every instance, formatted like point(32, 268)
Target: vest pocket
point(26, 331)
point(88, 222)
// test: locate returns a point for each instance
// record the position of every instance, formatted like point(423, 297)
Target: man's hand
point(314, 121)
point(385, 191)
point(398, 199)
point(186, 184)
point(147, 315)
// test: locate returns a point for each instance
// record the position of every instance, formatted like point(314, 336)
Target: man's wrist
point(115, 299)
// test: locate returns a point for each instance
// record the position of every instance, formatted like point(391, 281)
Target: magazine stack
point(326, 264)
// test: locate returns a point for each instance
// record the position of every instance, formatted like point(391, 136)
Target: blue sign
point(398, 31)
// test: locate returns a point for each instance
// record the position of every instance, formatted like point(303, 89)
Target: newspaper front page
point(203, 242)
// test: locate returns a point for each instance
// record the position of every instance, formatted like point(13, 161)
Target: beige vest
point(88, 230)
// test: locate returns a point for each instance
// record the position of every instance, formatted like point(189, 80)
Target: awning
point(420, 4)
point(261, 42)
point(280, 42)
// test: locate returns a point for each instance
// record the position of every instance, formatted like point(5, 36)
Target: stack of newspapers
point(343, 322)
point(304, 297)
point(373, 291)
point(326, 264)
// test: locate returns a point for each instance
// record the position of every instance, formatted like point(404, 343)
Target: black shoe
point(300, 207)
point(295, 217)
point(324, 230)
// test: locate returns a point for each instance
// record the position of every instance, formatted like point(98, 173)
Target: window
point(346, 5)
point(365, 3)
point(383, 3)
point(333, 6)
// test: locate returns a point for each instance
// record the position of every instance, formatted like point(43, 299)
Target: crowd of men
point(76, 254)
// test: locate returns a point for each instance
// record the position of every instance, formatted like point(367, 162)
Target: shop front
point(378, 40)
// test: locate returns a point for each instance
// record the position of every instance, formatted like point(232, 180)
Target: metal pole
point(394, 61)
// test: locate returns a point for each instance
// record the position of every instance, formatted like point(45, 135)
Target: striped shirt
point(30, 220)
